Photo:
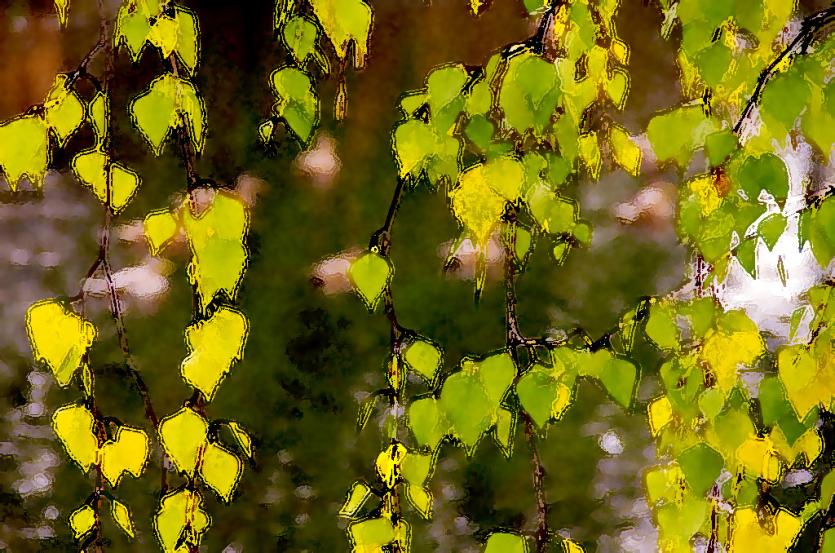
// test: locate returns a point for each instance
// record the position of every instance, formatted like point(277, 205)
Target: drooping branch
point(808, 27)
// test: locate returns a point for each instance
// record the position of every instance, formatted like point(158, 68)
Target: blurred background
point(313, 351)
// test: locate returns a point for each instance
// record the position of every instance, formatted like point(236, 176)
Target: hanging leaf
point(530, 92)
point(424, 358)
point(180, 511)
point(160, 229)
point(61, 8)
point(91, 168)
point(221, 470)
point(63, 110)
point(241, 436)
point(74, 424)
point(126, 452)
point(98, 112)
point(356, 498)
point(182, 436)
point(501, 542)
point(296, 101)
point(121, 515)
point(59, 338)
point(187, 45)
point(627, 154)
point(214, 345)
point(370, 274)
point(371, 534)
point(168, 103)
point(346, 22)
point(82, 521)
point(24, 150)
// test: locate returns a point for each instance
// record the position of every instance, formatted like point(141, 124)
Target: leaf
point(571, 547)
point(214, 345)
point(529, 93)
point(659, 414)
point(160, 229)
point(132, 28)
point(627, 154)
point(662, 328)
point(61, 8)
point(427, 421)
point(388, 464)
point(370, 274)
point(771, 228)
point(98, 113)
point(163, 34)
point(719, 145)
point(241, 437)
point(221, 470)
point(121, 515)
point(590, 153)
point(180, 511)
point(356, 498)
point(82, 521)
point(59, 338)
point(701, 465)
point(169, 102)
point(675, 135)
point(91, 166)
point(73, 424)
point(369, 535)
point(760, 458)
point(24, 150)
point(187, 45)
point(421, 500)
point(424, 358)
point(63, 110)
point(620, 377)
point(346, 22)
point(542, 396)
point(749, 534)
point(216, 240)
point(444, 87)
point(785, 98)
point(296, 101)
point(126, 452)
point(821, 232)
point(182, 436)
point(553, 213)
point(416, 467)
point(265, 131)
point(767, 172)
point(300, 35)
point(501, 542)
point(419, 148)
point(735, 342)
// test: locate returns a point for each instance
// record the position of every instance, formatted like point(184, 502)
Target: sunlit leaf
point(356, 498)
point(59, 338)
point(529, 93)
point(180, 511)
point(91, 168)
point(221, 470)
point(64, 111)
point(61, 8)
point(126, 452)
point(121, 515)
point(98, 113)
point(369, 535)
point(421, 500)
point(424, 358)
point(24, 149)
point(627, 154)
point(74, 426)
point(82, 520)
point(241, 436)
point(187, 45)
point(214, 345)
point(370, 274)
point(168, 103)
point(501, 542)
point(749, 535)
point(183, 436)
point(346, 22)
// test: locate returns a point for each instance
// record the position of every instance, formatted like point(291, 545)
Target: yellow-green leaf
point(64, 111)
point(221, 470)
point(627, 154)
point(169, 102)
point(24, 150)
point(421, 499)
point(182, 436)
point(188, 38)
point(73, 424)
point(749, 535)
point(178, 511)
point(98, 113)
point(126, 452)
point(241, 436)
point(91, 166)
point(82, 520)
point(476, 205)
point(59, 338)
point(215, 344)
point(160, 229)
point(355, 499)
point(121, 515)
point(345, 22)
point(164, 33)
point(370, 274)
point(369, 535)
point(216, 239)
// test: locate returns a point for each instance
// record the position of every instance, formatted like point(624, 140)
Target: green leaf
point(59, 338)
point(370, 274)
point(300, 36)
point(126, 452)
point(416, 467)
point(428, 422)
point(713, 62)
point(767, 172)
point(64, 111)
point(542, 396)
point(785, 97)
point(296, 101)
point(554, 214)
point(164, 34)
point(346, 22)
point(529, 93)
point(827, 490)
point(501, 542)
point(180, 511)
point(746, 254)
point(214, 345)
point(187, 45)
point(771, 228)
point(169, 102)
point(662, 328)
point(676, 134)
point(720, 145)
point(24, 150)
point(476, 204)
point(424, 358)
point(356, 498)
point(701, 465)
point(82, 521)
point(216, 239)
point(821, 232)
point(419, 148)
point(221, 470)
point(74, 424)
point(619, 378)
point(182, 436)
point(121, 515)
point(445, 86)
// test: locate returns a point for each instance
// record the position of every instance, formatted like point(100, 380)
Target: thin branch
point(538, 477)
point(808, 27)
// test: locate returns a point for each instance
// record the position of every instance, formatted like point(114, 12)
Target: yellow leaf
point(216, 238)
point(91, 166)
point(356, 498)
point(620, 50)
point(82, 520)
point(177, 511)
point(571, 547)
point(590, 153)
point(725, 349)
point(59, 338)
point(388, 464)
point(164, 33)
point(121, 514)
point(24, 150)
point(660, 413)
point(73, 424)
point(346, 22)
point(421, 499)
point(160, 229)
point(806, 448)
point(759, 457)
point(188, 41)
point(64, 111)
point(182, 436)
point(748, 535)
point(127, 452)
point(809, 379)
point(704, 188)
point(61, 7)
point(476, 205)
point(241, 437)
point(626, 153)
point(221, 470)
point(214, 344)
point(99, 113)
